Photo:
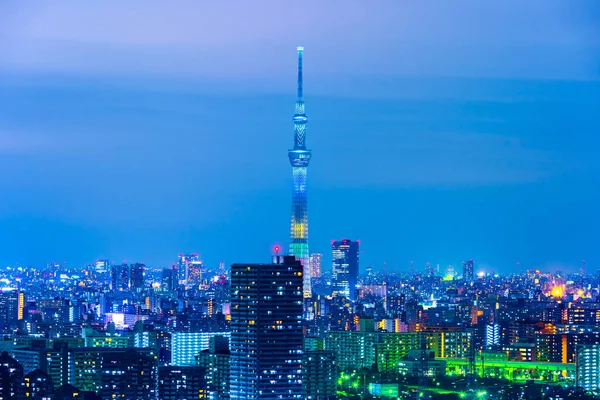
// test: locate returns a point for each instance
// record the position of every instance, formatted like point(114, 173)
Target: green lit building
point(319, 374)
point(215, 360)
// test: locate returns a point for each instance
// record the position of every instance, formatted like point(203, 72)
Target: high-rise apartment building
point(492, 335)
point(216, 362)
point(319, 375)
point(185, 346)
point(588, 367)
point(344, 254)
point(316, 262)
point(266, 330)
point(179, 383)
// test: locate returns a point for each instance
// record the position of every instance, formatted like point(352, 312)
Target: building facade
point(588, 367)
point(316, 263)
point(185, 346)
point(344, 268)
point(319, 374)
point(181, 383)
point(266, 330)
point(468, 270)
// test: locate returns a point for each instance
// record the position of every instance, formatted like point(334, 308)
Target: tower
point(299, 158)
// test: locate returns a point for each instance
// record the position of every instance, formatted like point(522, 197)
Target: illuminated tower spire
point(299, 158)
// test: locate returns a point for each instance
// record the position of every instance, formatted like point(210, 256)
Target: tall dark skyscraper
point(266, 330)
point(468, 273)
point(344, 268)
point(127, 276)
point(119, 277)
point(299, 158)
point(136, 275)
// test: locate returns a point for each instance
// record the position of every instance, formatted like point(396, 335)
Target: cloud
point(436, 158)
point(462, 38)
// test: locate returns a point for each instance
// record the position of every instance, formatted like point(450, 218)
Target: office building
point(266, 330)
point(468, 270)
point(101, 271)
point(344, 268)
point(169, 279)
point(181, 383)
point(136, 275)
point(194, 273)
point(183, 263)
point(119, 277)
point(316, 261)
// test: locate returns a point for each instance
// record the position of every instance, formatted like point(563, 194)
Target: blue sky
point(440, 131)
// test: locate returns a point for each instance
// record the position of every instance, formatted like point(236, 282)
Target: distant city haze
point(439, 132)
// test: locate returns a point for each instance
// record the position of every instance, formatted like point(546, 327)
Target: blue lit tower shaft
point(299, 158)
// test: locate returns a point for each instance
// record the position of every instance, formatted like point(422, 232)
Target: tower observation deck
point(299, 158)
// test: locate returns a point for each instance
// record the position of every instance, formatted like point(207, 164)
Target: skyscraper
point(194, 273)
point(344, 255)
point(266, 330)
point(299, 158)
point(588, 367)
point(183, 266)
point(136, 275)
point(316, 261)
point(468, 267)
point(119, 274)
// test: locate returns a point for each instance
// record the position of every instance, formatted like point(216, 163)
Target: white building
point(185, 346)
point(492, 335)
point(588, 367)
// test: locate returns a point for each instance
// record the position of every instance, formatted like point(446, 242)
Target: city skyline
point(483, 144)
point(147, 244)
